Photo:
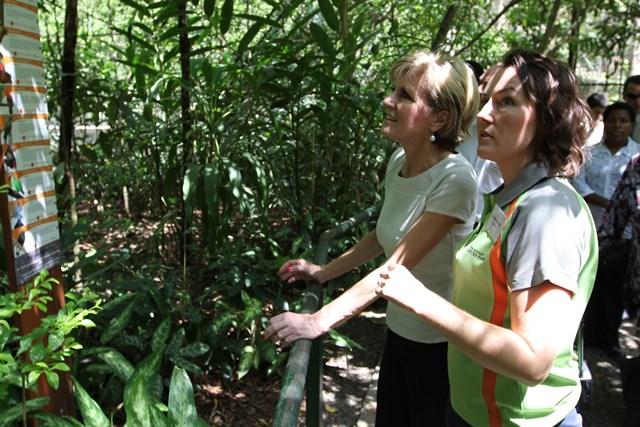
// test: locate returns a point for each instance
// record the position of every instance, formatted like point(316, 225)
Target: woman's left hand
point(398, 285)
point(288, 327)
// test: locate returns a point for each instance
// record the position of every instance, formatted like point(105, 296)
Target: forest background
point(199, 144)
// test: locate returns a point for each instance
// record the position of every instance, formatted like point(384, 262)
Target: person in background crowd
point(624, 213)
point(596, 182)
point(523, 277)
point(631, 95)
point(488, 174)
point(429, 206)
point(597, 103)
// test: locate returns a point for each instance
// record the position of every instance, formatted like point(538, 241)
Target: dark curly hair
point(563, 118)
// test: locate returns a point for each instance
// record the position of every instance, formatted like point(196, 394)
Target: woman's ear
point(440, 120)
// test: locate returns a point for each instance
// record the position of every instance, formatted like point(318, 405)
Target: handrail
point(304, 366)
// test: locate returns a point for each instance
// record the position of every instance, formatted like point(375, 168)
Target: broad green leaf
point(9, 415)
point(53, 379)
point(138, 401)
point(38, 352)
point(186, 364)
point(182, 405)
point(120, 366)
point(176, 341)
point(248, 38)
point(55, 340)
point(161, 335)
point(208, 6)
point(62, 367)
point(322, 39)
point(118, 324)
point(227, 13)
point(246, 361)
point(193, 350)
point(91, 413)
point(51, 420)
point(329, 14)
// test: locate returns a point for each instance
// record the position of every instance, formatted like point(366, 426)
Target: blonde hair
point(446, 84)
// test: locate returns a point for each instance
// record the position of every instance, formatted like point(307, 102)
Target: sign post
point(28, 208)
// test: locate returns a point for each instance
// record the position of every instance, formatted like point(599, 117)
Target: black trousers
point(413, 387)
point(603, 315)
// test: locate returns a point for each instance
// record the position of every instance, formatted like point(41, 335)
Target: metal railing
point(304, 366)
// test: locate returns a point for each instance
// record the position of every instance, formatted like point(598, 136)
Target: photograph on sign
point(36, 248)
point(20, 18)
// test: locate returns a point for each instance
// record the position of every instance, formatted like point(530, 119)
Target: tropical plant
point(44, 351)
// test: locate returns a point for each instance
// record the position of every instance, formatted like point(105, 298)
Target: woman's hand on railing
point(288, 327)
point(300, 269)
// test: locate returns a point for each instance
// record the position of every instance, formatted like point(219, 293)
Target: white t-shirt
point(487, 172)
point(447, 188)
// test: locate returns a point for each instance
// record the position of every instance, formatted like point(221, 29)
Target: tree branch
point(488, 27)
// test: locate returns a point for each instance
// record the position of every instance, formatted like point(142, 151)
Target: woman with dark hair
point(597, 182)
point(523, 277)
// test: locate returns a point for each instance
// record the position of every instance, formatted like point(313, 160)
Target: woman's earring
point(432, 138)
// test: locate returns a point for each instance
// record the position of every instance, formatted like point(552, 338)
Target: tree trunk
point(543, 46)
point(445, 26)
point(67, 95)
point(577, 16)
point(186, 120)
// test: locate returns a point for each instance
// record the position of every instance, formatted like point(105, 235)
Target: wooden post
point(28, 209)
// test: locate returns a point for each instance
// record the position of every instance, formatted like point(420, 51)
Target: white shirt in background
point(601, 173)
point(489, 176)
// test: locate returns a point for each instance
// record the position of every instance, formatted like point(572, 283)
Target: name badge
point(496, 220)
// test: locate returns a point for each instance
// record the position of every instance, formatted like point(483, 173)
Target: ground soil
point(348, 374)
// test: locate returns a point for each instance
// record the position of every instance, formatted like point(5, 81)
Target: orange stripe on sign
point(23, 201)
point(17, 231)
point(15, 117)
point(36, 89)
point(19, 145)
point(34, 170)
point(498, 314)
point(14, 60)
point(22, 5)
point(29, 34)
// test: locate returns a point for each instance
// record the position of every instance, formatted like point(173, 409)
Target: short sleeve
point(455, 194)
point(548, 239)
point(395, 162)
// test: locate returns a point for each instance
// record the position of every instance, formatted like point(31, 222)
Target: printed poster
point(24, 138)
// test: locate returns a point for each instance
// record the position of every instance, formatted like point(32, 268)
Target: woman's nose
point(388, 101)
point(485, 111)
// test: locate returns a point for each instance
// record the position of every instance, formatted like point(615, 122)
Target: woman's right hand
point(300, 269)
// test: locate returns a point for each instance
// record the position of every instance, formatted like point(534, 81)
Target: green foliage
point(283, 142)
point(43, 351)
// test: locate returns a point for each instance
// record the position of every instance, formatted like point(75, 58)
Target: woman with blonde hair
point(429, 203)
point(523, 277)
